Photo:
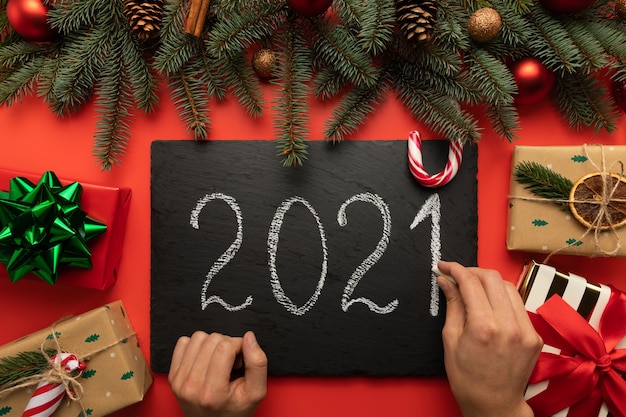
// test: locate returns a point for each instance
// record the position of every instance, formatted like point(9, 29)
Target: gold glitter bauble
point(264, 62)
point(620, 9)
point(484, 24)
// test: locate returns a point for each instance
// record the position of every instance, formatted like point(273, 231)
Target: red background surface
point(35, 140)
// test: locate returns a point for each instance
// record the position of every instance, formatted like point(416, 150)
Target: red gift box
point(580, 371)
point(107, 205)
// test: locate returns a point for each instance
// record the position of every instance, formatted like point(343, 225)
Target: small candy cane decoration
point(48, 395)
point(455, 155)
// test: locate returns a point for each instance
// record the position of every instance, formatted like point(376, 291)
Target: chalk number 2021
point(431, 208)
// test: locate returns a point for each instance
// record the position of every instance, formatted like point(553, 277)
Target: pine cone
point(416, 18)
point(144, 17)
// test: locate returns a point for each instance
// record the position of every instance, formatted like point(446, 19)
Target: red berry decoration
point(29, 18)
point(309, 8)
point(566, 6)
point(534, 81)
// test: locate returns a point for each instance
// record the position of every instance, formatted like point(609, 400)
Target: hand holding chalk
point(437, 272)
point(490, 344)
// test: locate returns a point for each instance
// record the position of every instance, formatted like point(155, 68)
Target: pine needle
point(543, 182)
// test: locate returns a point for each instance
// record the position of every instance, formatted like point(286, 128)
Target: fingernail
point(251, 339)
point(443, 283)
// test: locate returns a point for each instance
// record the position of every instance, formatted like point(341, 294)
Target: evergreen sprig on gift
point(544, 182)
point(355, 55)
point(23, 365)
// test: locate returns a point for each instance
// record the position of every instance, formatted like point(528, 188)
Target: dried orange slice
point(587, 194)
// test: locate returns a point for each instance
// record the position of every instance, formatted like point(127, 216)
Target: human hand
point(490, 345)
point(200, 375)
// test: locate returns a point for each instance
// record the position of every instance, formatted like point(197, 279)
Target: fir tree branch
point(176, 48)
point(377, 25)
point(237, 31)
point(21, 81)
point(611, 39)
point(353, 110)
point(142, 83)
point(80, 69)
point(519, 6)
point(20, 51)
point(504, 120)
point(515, 28)
point(4, 21)
point(350, 11)
point(340, 50)
point(49, 75)
point(550, 42)
point(191, 101)
point(211, 75)
point(440, 113)
point(543, 182)
point(435, 58)
point(73, 15)
point(450, 29)
point(589, 47)
point(240, 79)
point(113, 104)
point(328, 83)
point(23, 365)
point(439, 70)
point(491, 77)
point(291, 102)
point(585, 102)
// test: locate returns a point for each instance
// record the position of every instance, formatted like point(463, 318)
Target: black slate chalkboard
point(329, 263)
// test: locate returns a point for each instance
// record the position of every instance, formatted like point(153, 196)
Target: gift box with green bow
point(60, 230)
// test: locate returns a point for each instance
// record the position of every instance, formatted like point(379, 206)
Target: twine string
point(56, 373)
point(604, 214)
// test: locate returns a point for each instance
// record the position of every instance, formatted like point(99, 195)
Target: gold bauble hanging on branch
point(484, 24)
point(264, 62)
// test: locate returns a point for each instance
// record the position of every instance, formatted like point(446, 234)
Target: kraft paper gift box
point(108, 205)
point(581, 369)
point(540, 225)
point(116, 373)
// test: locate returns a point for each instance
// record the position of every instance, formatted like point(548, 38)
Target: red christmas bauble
point(309, 8)
point(566, 6)
point(534, 81)
point(618, 90)
point(29, 18)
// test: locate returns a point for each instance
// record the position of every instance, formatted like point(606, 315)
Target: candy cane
point(455, 155)
point(48, 395)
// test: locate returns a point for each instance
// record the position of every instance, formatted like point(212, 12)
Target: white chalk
point(436, 271)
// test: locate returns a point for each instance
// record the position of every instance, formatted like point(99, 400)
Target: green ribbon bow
point(43, 227)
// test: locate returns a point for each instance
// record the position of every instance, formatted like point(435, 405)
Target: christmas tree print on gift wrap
point(127, 375)
point(116, 373)
point(596, 200)
point(89, 373)
point(92, 338)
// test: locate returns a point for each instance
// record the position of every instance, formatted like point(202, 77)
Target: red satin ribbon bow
point(589, 370)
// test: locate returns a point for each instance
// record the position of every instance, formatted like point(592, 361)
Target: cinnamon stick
point(204, 9)
point(194, 12)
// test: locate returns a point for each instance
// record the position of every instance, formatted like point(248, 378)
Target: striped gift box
point(539, 282)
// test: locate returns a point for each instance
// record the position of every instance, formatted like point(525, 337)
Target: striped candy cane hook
point(455, 156)
point(48, 395)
